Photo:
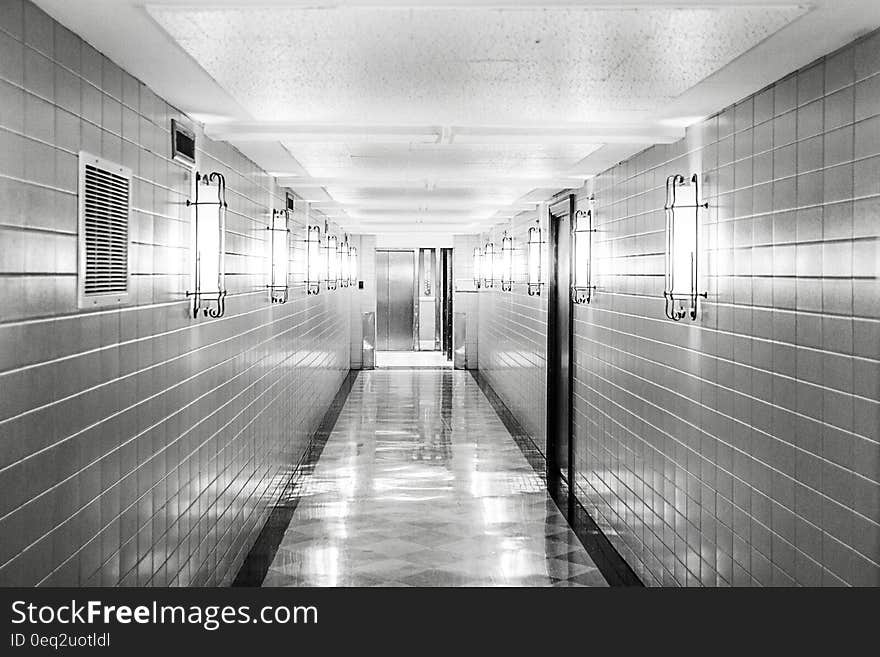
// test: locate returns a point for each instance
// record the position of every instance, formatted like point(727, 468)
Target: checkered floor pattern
point(420, 484)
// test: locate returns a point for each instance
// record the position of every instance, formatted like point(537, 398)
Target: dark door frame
point(446, 301)
point(560, 398)
point(560, 445)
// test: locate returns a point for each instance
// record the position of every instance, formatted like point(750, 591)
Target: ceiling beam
point(589, 133)
point(593, 133)
point(480, 182)
point(409, 226)
point(405, 203)
point(252, 131)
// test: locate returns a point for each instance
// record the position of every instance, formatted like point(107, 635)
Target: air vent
point(104, 208)
point(183, 143)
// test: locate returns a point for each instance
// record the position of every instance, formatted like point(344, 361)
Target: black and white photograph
point(484, 294)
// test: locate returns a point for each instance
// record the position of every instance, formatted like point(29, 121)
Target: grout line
point(261, 554)
point(611, 564)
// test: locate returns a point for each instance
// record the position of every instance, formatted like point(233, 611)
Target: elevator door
point(395, 282)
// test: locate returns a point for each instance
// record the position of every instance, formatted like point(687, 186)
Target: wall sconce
point(353, 265)
point(682, 246)
point(427, 259)
point(533, 255)
point(582, 290)
point(332, 260)
point(506, 263)
point(279, 257)
point(478, 267)
point(490, 265)
point(209, 245)
point(313, 260)
point(342, 257)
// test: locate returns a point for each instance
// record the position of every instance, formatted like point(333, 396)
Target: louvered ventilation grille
point(105, 224)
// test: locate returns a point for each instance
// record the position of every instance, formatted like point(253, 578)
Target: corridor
point(303, 293)
point(420, 484)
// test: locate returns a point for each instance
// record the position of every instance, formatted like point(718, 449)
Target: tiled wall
point(742, 448)
point(464, 296)
point(513, 335)
point(363, 301)
point(138, 446)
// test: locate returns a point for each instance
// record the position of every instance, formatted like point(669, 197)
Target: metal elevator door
point(395, 287)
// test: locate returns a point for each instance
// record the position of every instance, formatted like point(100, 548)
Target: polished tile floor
point(420, 484)
point(406, 359)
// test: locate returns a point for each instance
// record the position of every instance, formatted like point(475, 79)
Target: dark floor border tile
point(615, 570)
point(256, 564)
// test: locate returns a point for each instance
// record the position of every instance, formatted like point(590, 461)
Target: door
point(446, 301)
point(395, 281)
point(559, 317)
point(429, 301)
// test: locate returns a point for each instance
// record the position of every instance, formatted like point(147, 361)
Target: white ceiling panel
point(432, 161)
point(454, 65)
point(380, 107)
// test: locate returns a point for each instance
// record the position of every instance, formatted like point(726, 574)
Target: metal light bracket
point(342, 274)
point(313, 282)
point(277, 293)
point(678, 306)
point(331, 245)
point(478, 267)
point(353, 265)
point(507, 252)
point(581, 294)
point(534, 251)
point(211, 304)
point(489, 265)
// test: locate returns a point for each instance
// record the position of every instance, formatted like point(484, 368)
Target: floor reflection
point(420, 484)
point(411, 359)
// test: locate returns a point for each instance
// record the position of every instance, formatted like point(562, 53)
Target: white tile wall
point(513, 335)
point(743, 448)
point(138, 446)
point(465, 294)
point(363, 301)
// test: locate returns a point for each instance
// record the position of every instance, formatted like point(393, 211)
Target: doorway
point(414, 307)
point(446, 281)
point(560, 461)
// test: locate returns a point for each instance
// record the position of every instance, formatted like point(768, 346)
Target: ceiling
point(461, 66)
point(397, 116)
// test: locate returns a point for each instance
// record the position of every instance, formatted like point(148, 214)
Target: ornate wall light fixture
point(209, 246)
point(428, 260)
point(533, 255)
point(682, 246)
point(342, 257)
point(582, 290)
point(313, 260)
point(478, 267)
point(353, 265)
point(331, 271)
point(506, 262)
point(490, 265)
point(279, 257)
